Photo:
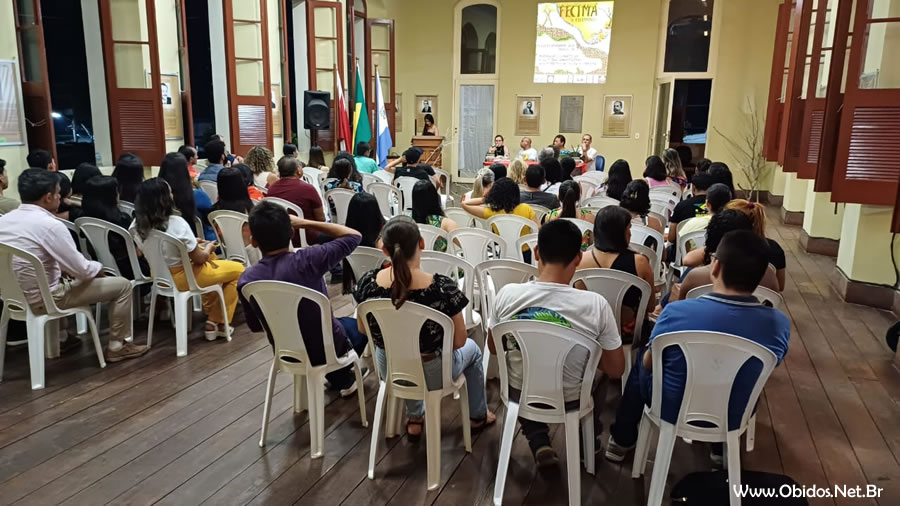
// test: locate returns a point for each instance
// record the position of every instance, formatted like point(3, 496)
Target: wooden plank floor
point(164, 430)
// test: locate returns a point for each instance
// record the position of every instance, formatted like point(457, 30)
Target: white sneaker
point(616, 452)
point(347, 392)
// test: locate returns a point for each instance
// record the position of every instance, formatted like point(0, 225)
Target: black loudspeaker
point(316, 110)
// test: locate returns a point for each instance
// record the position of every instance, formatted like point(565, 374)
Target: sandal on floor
point(415, 421)
point(480, 423)
point(212, 330)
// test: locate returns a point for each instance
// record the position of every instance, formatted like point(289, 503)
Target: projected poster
point(572, 42)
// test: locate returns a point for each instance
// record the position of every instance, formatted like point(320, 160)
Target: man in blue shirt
point(215, 153)
point(739, 263)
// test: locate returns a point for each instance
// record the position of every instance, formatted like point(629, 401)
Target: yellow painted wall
point(9, 50)
point(865, 249)
point(777, 187)
point(795, 191)
point(822, 217)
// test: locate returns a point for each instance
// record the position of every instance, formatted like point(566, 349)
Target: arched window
point(478, 42)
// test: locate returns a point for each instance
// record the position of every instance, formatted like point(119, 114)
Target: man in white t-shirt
point(551, 298)
point(587, 153)
point(528, 153)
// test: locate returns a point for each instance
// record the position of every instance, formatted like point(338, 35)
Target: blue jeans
point(636, 395)
point(343, 378)
point(466, 360)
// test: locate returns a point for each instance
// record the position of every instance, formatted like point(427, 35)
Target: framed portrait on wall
point(617, 115)
point(170, 86)
point(528, 114)
point(276, 104)
point(426, 106)
point(12, 131)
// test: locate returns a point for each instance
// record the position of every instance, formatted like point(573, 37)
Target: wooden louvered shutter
point(816, 88)
point(775, 105)
point(325, 45)
point(867, 165)
point(131, 59)
point(794, 102)
point(35, 82)
point(249, 82)
point(380, 47)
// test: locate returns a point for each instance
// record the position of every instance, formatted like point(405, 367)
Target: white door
point(476, 127)
point(661, 127)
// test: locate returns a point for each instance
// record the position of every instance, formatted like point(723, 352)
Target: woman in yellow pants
point(154, 208)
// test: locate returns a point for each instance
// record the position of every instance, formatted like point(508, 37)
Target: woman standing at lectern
point(430, 128)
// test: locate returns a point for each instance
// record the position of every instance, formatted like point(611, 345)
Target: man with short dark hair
point(532, 194)
point(364, 163)
point(738, 266)
point(717, 196)
point(32, 227)
point(295, 190)
point(42, 159)
point(7, 204)
point(190, 154)
point(271, 229)
point(290, 150)
point(412, 167)
point(551, 298)
point(215, 154)
point(692, 206)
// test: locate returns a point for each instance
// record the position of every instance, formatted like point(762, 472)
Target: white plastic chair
point(383, 176)
point(460, 216)
point(389, 198)
point(544, 347)
point(229, 226)
point(583, 226)
point(762, 293)
point(315, 177)
point(364, 259)
point(444, 176)
point(653, 259)
point(529, 240)
point(662, 206)
point(277, 302)
point(539, 212)
point(406, 184)
point(405, 376)
point(510, 227)
point(613, 285)
point(587, 186)
point(599, 202)
point(164, 286)
point(597, 177)
point(670, 191)
point(290, 207)
point(16, 307)
point(97, 232)
point(211, 188)
point(435, 262)
point(368, 179)
point(340, 197)
point(698, 238)
point(80, 241)
point(126, 207)
point(431, 234)
point(639, 235)
point(475, 245)
point(713, 361)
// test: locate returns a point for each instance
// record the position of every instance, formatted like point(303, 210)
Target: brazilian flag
point(361, 130)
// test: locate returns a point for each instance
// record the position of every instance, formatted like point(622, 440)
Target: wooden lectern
point(430, 145)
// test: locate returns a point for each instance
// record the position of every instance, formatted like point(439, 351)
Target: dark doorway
point(69, 89)
point(690, 114)
point(202, 106)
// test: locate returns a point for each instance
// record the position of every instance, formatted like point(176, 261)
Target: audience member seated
point(532, 194)
point(339, 177)
point(190, 202)
point(588, 154)
point(317, 158)
point(129, 172)
point(262, 164)
point(32, 227)
point(703, 165)
point(83, 172)
point(516, 172)
point(290, 150)
point(233, 195)
point(528, 153)
point(292, 188)
point(692, 206)
point(717, 196)
point(405, 281)
point(364, 216)
point(484, 179)
point(154, 210)
point(230, 159)
point(568, 168)
point(271, 229)
point(551, 299)
point(68, 210)
point(741, 261)
point(655, 173)
point(247, 178)
point(215, 155)
point(101, 201)
point(619, 177)
point(190, 154)
point(412, 167)
point(722, 174)
point(7, 204)
point(426, 209)
point(569, 195)
point(685, 155)
point(757, 212)
point(355, 176)
point(552, 171)
point(504, 198)
point(636, 200)
point(675, 172)
point(41, 159)
point(612, 236)
point(364, 162)
point(720, 224)
point(499, 170)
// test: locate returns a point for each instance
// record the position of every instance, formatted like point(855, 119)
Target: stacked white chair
point(340, 197)
point(294, 209)
point(544, 347)
point(406, 184)
point(16, 307)
point(211, 188)
point(529, 240)
point(599, 202)
point(229, 227)
point(164, 286)
point(277, 301)
point(713, 361)
point(405, 377)
point(510, 227)
point(389, 197)
point(431, 234)
point(613, 285)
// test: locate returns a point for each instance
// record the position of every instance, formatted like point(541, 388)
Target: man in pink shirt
point(32, 227)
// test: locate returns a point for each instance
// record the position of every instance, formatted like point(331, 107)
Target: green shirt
point(365, 165)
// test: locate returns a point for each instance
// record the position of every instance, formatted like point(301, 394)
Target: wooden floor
point(184, 431)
